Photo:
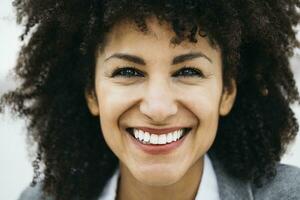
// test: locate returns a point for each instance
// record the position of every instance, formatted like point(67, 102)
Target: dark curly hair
point(56, 66)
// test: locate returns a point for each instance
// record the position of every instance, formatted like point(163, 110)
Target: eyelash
point(196, 72)
point(121, 71)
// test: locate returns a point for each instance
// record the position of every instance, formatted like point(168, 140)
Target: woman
point(158, 99)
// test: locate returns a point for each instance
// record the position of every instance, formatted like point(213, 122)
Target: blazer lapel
point(231, 188)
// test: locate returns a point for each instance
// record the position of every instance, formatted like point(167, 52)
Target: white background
point(15, 167)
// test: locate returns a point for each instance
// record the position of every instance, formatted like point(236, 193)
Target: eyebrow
point(189, 56)
point(176, 60)
point(131, 58)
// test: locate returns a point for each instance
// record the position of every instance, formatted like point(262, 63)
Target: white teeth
point(162, 139)
point(175, 136)
point(154, 139)
point(169, 137)
point(147, 138)
point(141, 135)
point(136, 133)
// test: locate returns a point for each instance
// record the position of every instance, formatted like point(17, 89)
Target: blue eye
point(127, 72)
point(189, 72)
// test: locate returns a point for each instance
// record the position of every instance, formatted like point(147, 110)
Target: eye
point(188, 72)
point(127, 72)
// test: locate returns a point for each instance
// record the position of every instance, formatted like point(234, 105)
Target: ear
point(92, 102)
point(228, 98)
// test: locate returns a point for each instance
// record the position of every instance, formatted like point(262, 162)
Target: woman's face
point(146, 86)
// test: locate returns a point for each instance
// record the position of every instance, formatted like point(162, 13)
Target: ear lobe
point(228, 98)
point(92, 102)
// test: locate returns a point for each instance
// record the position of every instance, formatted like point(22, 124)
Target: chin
point(158, 177)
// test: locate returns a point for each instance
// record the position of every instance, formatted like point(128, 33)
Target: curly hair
point(56, 66)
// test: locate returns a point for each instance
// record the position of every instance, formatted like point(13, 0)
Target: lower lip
point(155, 149)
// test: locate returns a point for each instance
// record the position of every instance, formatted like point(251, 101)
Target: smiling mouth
point(157, 139)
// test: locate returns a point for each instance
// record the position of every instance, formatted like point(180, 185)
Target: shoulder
point(33, 193)
point(285, 185)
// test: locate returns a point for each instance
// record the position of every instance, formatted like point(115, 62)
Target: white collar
point(208, 188)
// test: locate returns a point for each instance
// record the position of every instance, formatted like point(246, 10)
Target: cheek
point(206, 112)
point(202, 101)
point(205, 106)
point(113, 103)
point(113, 100)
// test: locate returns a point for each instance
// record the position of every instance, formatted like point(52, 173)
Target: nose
point(159, 102)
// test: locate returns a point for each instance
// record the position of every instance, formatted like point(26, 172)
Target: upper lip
point(159, 131)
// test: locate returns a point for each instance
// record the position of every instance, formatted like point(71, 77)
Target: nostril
point(158, 109)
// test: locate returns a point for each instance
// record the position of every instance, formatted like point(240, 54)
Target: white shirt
point(208, 188)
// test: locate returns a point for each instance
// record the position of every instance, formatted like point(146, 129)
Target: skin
point(158, 98)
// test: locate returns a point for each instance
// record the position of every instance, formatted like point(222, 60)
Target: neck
point(186, 188)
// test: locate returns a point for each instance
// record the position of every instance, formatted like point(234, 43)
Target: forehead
point(154, 46)
point(126, 37)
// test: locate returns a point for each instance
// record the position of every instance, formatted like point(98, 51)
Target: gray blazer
point(285, 186)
